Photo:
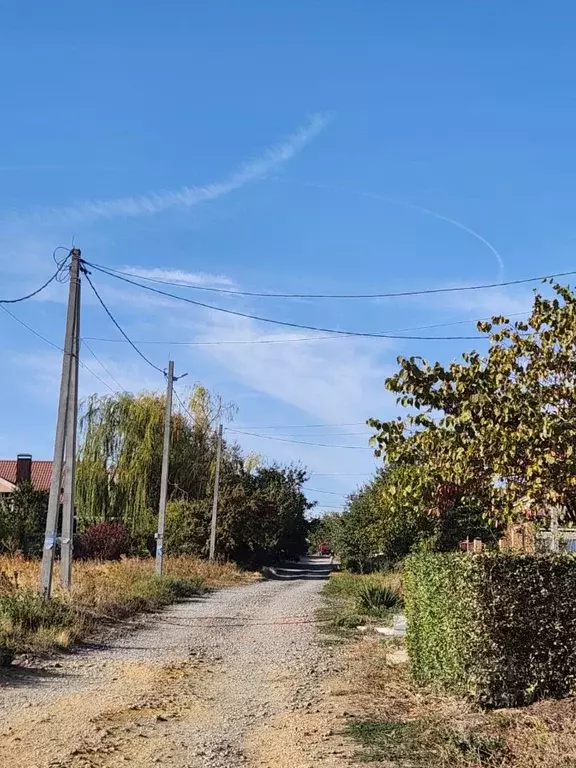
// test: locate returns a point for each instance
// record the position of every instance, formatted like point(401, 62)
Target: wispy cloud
point(334, 384)
point(179, 276)
point(485, 303)
point(159, 202)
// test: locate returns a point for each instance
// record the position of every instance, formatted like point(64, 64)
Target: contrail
point(414, 207)
point(146, 205)
point(447, 219)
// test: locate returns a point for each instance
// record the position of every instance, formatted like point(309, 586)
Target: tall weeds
point(102, 591)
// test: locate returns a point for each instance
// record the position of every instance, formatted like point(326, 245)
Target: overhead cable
point(101, 364)
point(56, 274)
point(393, 295)
point(259, 318)
point(332, 493)
point(119, 327)
point(299, 442)
point(52, 344)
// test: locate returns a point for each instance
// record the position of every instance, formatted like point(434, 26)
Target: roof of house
point(41, 473)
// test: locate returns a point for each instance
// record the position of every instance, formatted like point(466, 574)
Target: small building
point(22, 468)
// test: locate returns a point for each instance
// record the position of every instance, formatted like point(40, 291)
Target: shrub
point(25, 618)
point(375, 599)
point(103, 541)
point(498, 628)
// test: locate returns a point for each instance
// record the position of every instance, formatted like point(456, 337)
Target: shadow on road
point(309, 568)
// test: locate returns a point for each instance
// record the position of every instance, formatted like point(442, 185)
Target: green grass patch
point(29, 623)
point(351, 600)
point(421, 743)
point(375, 599)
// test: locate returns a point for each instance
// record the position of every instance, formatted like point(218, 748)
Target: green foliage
point(152, 591)
point(497, 430)
point(24, 616)
point(261, 512)
point(498, 628)
point(419, 744)
point(261, 517)
point(382, 521)
point(376, 600)
point(353, 599)
point(22, 520)
point(188, 527)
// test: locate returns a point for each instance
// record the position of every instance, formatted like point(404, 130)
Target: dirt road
point(235, 679)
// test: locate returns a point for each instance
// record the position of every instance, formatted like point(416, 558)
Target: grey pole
point(164, 475)
point(56, 481)
point(215, 500)
point(67, 534)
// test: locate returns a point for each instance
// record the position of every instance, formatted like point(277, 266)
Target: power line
point(300, 442)
point(341, 474)
point(285, 323)
point(111, 316)
point(299, 339)
point(95, 356)
point(38, 290)
point(325, 434)
point(182, 405)
point(218, 343)
point(331, 493)
point(52, 344)
point(271, 295)
point(302, 426)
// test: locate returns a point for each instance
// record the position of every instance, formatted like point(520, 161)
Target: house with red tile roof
point(14, 471)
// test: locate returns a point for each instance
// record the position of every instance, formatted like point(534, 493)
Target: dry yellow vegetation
point(102, 591)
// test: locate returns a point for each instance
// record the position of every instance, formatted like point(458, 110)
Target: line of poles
point(63, 481)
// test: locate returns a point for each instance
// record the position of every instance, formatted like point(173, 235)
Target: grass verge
point(399, 724)
point(102, 592)
point(351, 600)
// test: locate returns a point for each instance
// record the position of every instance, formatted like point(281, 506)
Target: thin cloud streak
point(187, 197)
point(179, 275)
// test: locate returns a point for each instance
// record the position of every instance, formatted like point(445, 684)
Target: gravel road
point(234, 679)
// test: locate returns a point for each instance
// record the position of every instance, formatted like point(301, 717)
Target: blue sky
point(286, 147)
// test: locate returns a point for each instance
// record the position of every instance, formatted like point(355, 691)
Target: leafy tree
point(261, 517)
point(22, 520)
point(120, 457)
point(497, 430)
point(383, 520)
point(261, 514)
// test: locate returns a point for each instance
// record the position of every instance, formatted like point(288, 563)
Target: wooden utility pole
point(215, 500)
point(164, 475)
point(61, 429)
point(68, 506)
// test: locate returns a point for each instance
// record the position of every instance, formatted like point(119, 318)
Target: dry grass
point(110, 578)
point(410, 726)
point(402, 725)
point(102, 591)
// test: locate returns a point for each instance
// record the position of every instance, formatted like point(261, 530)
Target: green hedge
point(498, 628)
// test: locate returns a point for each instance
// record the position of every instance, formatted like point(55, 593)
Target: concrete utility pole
point(554, 520)
point(164, 476)
point(215, 501)
point(68, 507)
point(61, 429)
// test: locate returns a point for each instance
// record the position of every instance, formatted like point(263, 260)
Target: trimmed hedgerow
point(498, 628)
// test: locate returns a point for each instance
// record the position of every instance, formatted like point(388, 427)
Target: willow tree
point(120, 457)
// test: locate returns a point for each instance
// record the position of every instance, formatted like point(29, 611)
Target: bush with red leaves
point(103, 541)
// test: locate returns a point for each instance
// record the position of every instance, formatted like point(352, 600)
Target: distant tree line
point(262, 509)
